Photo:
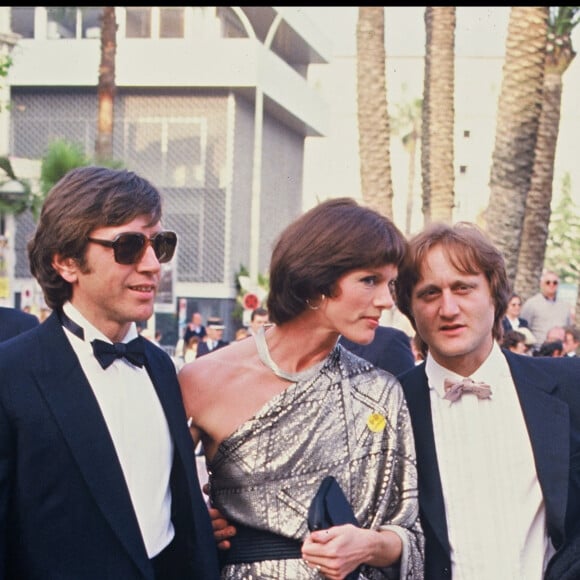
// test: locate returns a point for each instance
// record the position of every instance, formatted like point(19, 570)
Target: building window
point(92, 18)
point(463, 169)
point(138, 22)
point(22, 20)
point(62, 22)
point(171, 22)
point(169, 151)
point(466, 134)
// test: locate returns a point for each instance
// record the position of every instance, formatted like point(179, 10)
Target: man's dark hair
point(550, 348)
point(258, 312)
point(512, 338)
point(85, 199)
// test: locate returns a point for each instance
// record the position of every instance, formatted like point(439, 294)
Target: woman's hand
point(341, 549)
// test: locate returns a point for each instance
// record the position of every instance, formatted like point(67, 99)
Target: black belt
point(252, 545)
point(164, 562)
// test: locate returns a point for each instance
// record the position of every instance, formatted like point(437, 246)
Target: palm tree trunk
point(373, 116)
point(518, 119)
point(412, 150)
point(106, 87)
point(538, 202)
point(438, 114)
point(536, 225)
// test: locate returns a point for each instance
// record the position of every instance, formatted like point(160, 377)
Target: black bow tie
point(106, 352)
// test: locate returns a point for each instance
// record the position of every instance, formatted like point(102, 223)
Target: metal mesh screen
point(177, 140)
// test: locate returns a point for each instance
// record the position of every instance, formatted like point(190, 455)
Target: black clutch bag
point(328, 508)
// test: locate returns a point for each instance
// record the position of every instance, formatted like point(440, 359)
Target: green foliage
point(406, 118)
point(61, 156)
point(17, 202)
point(563, 19)
point(243, 271)
point(563, 246)
point(5, 64)
point(6, 166)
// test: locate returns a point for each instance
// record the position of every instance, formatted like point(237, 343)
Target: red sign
point(251, 301)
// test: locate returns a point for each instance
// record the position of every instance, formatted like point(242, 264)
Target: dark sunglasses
point(552, 282)
point(129, 247)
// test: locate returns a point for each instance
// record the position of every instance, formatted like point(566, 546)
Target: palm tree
point(373, 117)
point(60, 157)
point(407, 121)
point(518, 119)
point(106, 87)
point(535, 229)
point(438, 114)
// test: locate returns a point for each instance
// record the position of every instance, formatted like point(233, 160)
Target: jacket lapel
point(164, 379)
point(548, 423)
point(416, 390)
point(76, 410)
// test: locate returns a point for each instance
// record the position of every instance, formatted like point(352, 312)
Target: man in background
point(258, 318)
point(14, 321)
point(571, 341)
point(213, 340)
point(194, 328)
point(389, 350)
point(544, 310)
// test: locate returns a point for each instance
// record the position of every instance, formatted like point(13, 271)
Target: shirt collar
point(91, 332)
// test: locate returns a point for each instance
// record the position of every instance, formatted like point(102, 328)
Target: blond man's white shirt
point(493, 502)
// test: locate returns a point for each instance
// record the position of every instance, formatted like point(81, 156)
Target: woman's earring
point(322, 297)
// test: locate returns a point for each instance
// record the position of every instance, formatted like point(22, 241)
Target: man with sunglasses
point(97, 477)
point(544, 310)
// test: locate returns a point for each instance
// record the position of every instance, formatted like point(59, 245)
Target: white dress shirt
point(138, 428)
point(493, 502)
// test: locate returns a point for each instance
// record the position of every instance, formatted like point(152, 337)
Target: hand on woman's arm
point(222, 530)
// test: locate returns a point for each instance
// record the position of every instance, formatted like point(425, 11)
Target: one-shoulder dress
point(350, 420)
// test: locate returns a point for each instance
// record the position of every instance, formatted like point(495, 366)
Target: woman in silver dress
point(279, 412)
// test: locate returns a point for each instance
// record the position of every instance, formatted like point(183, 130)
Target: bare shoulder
point(216, 391)
point(210, 374)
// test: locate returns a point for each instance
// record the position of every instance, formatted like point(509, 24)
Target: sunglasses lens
point(128, 248)
point(164, 245)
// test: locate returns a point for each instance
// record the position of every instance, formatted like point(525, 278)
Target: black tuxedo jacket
point(507, 325)
point(202, 347)
point(390, 350)
point(13, 322)
point(549, 393)
point(65, 509)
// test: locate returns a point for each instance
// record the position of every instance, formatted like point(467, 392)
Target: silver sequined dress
point(350, 421)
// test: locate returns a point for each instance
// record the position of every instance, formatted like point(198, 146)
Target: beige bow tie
point(455, 389)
